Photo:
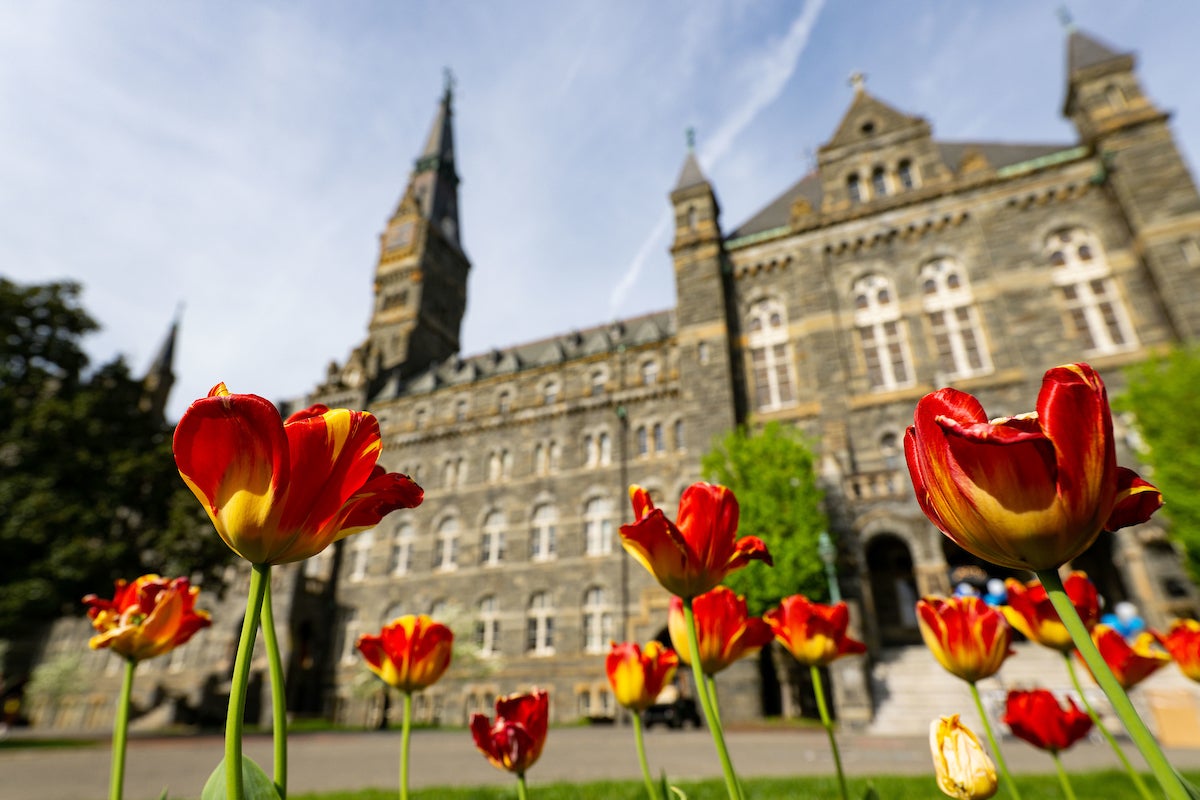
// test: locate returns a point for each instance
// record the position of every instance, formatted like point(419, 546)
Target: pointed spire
point(691, 174)
point(435, 181)
point(160, 376)
point(1085, 51)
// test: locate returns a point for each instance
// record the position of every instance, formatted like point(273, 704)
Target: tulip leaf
point(163, 796)
point(257, 784)
point(666, 791)
point(871, 794)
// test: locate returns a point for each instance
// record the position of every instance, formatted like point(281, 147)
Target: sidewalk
point(328, 761)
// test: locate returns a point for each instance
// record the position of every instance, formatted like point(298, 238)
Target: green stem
point(710, 686)
point(1164, 773)
point(234, 789)
point(1143, 790)
point(120, 731)
point(522, 792)
point(1062, 776)
point(278, 694)
point(710, 714)
point(405, 737)
point(827, 721)
point(991, 737)
point(651, 792)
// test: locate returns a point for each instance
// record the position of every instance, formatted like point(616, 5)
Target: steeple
point(1103, 92)
point(697, 212)
point(160, 376)
point(691, 174)
point(434, 181)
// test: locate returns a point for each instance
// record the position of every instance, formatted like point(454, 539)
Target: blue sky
point(242, 158)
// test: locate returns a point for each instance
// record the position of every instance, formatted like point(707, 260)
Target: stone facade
point(900, 264)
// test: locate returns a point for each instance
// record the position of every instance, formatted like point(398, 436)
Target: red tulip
point(1131, 664)
point(284, 491)
point(695, 554)
point(1030, 611)
point(1183, 643)
point(515, 740)
point(1028, 492)
point(725, 632)
point(814, 634)
point(1036, 717)
point(968, 637)
point(146, 618)
point(410, 653)
point(638, 677)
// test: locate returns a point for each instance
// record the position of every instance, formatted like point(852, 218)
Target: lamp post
point(828, 553)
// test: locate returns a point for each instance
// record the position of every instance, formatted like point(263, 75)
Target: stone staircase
point(911, 689)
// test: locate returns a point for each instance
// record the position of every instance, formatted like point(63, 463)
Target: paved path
point(328, 761)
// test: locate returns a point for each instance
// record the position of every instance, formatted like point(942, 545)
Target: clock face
point(400, 236)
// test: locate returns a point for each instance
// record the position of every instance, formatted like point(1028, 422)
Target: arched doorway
point(893, 589)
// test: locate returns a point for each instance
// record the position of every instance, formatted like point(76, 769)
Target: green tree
point(87, 481)
point(1162, 394)
point(772, 474)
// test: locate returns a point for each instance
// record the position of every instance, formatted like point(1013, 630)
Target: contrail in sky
point(775, 70)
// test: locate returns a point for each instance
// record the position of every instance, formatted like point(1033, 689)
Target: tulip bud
point(963, 769)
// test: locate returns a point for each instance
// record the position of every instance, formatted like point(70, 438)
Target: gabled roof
point(1084, 50)
point(884, 118)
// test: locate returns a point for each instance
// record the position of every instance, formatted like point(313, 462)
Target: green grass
point(22, 743)
point(1109, 785)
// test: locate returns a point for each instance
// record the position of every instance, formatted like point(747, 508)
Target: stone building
point(900, 264)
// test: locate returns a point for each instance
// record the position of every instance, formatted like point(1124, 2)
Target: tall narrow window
point(643, 442)
point(1080, 270)
point(770, 356)
point(598, 526)
point(879, 182)
point(597, 384)
point(361, 555)
point(494, 466)
point(445, 556)
point(504, 401)
point(554, 452)
point(679, 443)
point(460, 410)
point(550, 393)
point(649, 373)
point(542, 533)
point(597, 621)
point(605, 449)
point(491, 539)
point(487, 627)
point(881, 333)
point(590, 452)
point(953, 320)
point(660, 439)
point(854, 188)
point(539, 625)
point(539, 459)
point(350, 628)
point(904, 174)
point(402, 547)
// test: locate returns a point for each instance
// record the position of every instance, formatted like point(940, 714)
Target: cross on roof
point(859, 81)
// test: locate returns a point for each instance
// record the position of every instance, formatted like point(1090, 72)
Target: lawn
point(1109, 785)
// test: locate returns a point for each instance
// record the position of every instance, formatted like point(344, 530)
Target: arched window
point(854, 188)
point(904, 174)
point(660, 439)
point(506, 462)
point(539, 625)
point(598, 526)
point(504, 401)
point(419, 418)
point(449, 473)
point(402, 548)
point(491, 539)
point(494, 467)
point(350, 629)
point(879, 182)
point(891, 450)
point(487, 627)
point(555, 455)
point(550, 393)
point(679, 444)
point(360, 556)
point(1080, 271)
point(591, 453)
point(953, 320)
point(649, 373)
point(597, 621)
point(460, 409)
point(643, 442)
point(597, 384)
point(691, 218)
point(770, 356)
point(542, 533)
point(539, 459)
point(881, 333)
point(445, 551)
point(605, 449)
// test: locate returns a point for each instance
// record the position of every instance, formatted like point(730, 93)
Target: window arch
point(543, 524)
point(905, 174)
point(881, 333)
point(597, 620)
point(679, 442)
point(550, 393)
point(487, 627)
point(400, 560)
point(953, 320)
point(504, 401)
point(494, 467)
point(1080, 270)
point(643, 441)
point(591, 453)
point(605, 448)
point(445, 551)
point(649, 372)
point(892, 450)
point(660, 438)
point(879, 185)
point(491, 539)
point(596, 387)
point(539, 625)
point(770, 356)
point(854, 188)
point(598, 526)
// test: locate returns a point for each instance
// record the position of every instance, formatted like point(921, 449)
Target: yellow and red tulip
point(813, 633)
point(638, 676)
point(1030, 611)
point(968, 637)
point(410, 653)
point(146, 618)
point(1028, 492)
point(280, 491)
point(515, 740)
point(724, 630)
point(695, 553)
point(1183, 643)
point(963, 769)
point(1037, 717)
point(1130, 663)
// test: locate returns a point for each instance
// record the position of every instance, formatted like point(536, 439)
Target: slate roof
point(1084, 50)
point(691, 174)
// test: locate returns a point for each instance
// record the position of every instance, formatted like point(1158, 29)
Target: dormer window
point(854, 188)
point(879, 182)
point(904, 173)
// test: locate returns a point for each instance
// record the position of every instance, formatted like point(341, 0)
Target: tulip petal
point(659, 547)
point(1137, 500)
